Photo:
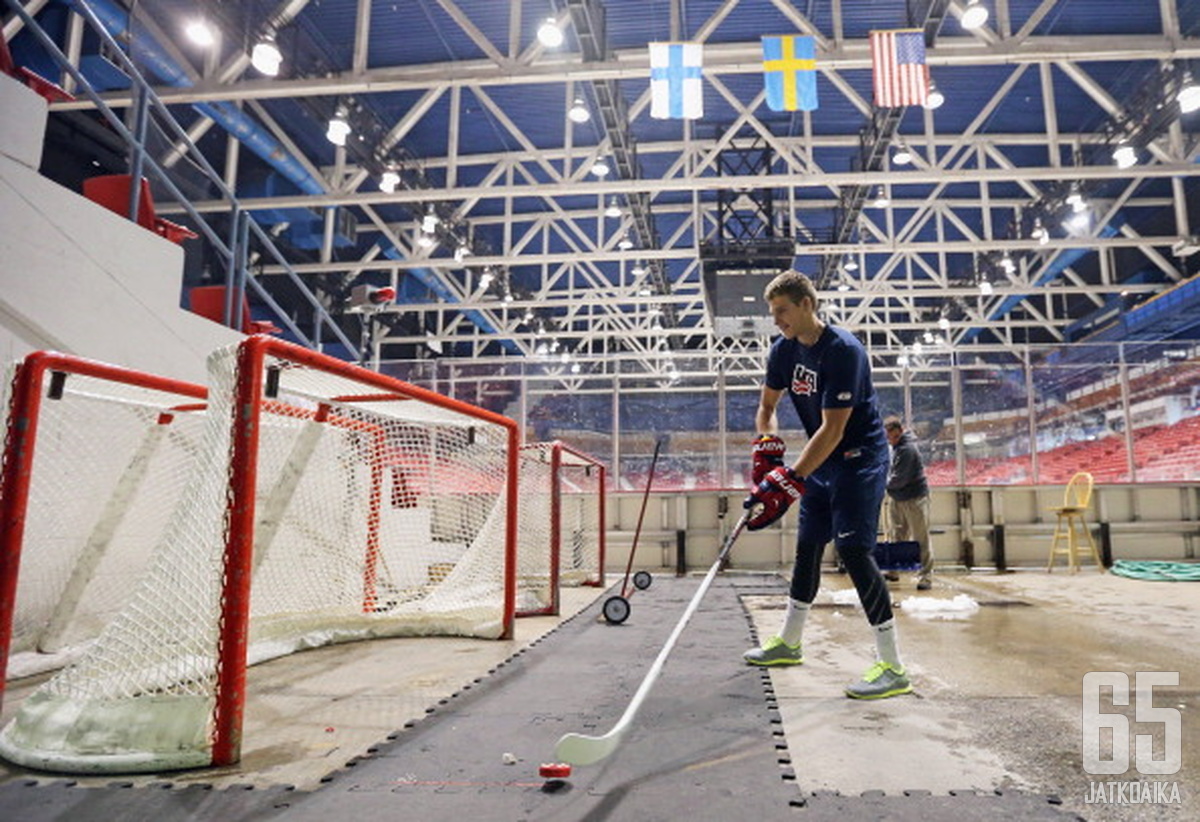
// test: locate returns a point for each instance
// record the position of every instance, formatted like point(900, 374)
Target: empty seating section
point(1169, 452)
point(1085, 423)
point(1162, 453)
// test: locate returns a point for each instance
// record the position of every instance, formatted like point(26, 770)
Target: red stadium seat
point(112, 192)
point(209, 301)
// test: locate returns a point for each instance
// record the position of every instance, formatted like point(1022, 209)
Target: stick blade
point(579, 749)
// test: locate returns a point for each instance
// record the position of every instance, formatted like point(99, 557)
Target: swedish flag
point(790, 72)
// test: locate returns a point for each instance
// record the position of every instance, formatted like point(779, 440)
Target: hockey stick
point(637, 533)
point(579, 749)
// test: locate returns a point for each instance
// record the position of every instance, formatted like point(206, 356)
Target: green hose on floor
point(1158, 571)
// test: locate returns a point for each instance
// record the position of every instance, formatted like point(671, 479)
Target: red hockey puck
point(554, 770)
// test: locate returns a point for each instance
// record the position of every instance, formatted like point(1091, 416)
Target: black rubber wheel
point(616, 610)
point(642, 580)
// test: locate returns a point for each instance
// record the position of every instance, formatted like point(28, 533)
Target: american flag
point(901, 77)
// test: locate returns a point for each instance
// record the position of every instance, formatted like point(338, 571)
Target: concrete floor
point(997, 703)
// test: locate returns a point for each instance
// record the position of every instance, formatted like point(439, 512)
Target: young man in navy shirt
point(838, 479)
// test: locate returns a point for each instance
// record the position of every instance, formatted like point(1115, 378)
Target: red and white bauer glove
point(776, 493)
point(767, 454)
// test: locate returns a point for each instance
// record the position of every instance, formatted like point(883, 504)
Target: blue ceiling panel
point(1086, 17)
point(513, 129)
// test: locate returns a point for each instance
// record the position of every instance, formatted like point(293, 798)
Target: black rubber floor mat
point(702, 740)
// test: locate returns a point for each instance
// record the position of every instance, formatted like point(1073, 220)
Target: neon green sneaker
point(774, 652)
point(879, 682)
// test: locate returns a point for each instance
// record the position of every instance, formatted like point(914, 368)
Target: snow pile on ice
point(961, 606)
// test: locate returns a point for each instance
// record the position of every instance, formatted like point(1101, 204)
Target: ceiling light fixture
point(851, 264)
point(266, 56)
point(903, 156)
point(388, 181)
point(1075, 199)
point(429, 222)
point(200, 32)
point(613, 210)
point(985, 287)
point(1077, 221)
point(1006, 263)
point(578, 113)
point(974, 15)
point(625, 244)
point(600, 167)
point(1189, 94)
point(934, 99)
point(1039, 232)
point(549, 34)
point(1125, 156)
point(944, 323)
point(339, 128)
point(881, 198)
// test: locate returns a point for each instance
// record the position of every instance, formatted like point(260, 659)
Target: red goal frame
point(20, 446)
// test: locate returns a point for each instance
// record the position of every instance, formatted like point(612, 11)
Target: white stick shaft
point(606, 743)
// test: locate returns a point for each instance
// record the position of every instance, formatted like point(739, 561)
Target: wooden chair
point(1072, 518)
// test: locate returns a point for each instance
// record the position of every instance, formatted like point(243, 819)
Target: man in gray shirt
point(908, 496)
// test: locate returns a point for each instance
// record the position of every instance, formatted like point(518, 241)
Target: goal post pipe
point(20, 445)
point(601, 479)
point(555, 531)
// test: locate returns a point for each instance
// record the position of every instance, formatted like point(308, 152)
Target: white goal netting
point(110, 456)
point(324, 503)
point(560, 524)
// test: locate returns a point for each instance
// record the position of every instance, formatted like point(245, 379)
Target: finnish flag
point(675, 90)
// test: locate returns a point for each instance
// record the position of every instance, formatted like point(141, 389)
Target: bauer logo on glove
point(767, 454)
point(775, 494)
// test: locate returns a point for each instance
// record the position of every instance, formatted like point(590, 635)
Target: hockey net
point(326, 503)
point(560, 524)
point(96, 459)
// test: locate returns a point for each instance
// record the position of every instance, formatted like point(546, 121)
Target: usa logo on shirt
point(804, 381)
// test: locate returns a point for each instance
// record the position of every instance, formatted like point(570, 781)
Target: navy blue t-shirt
point(833, 373)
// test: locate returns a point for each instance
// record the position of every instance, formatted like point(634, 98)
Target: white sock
point(793, 624)
point(885, 643)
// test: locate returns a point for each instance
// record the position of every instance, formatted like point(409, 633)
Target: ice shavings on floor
point(961, 606)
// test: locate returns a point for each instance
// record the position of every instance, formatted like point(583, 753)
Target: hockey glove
point(778, 490)
point(767, 453)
